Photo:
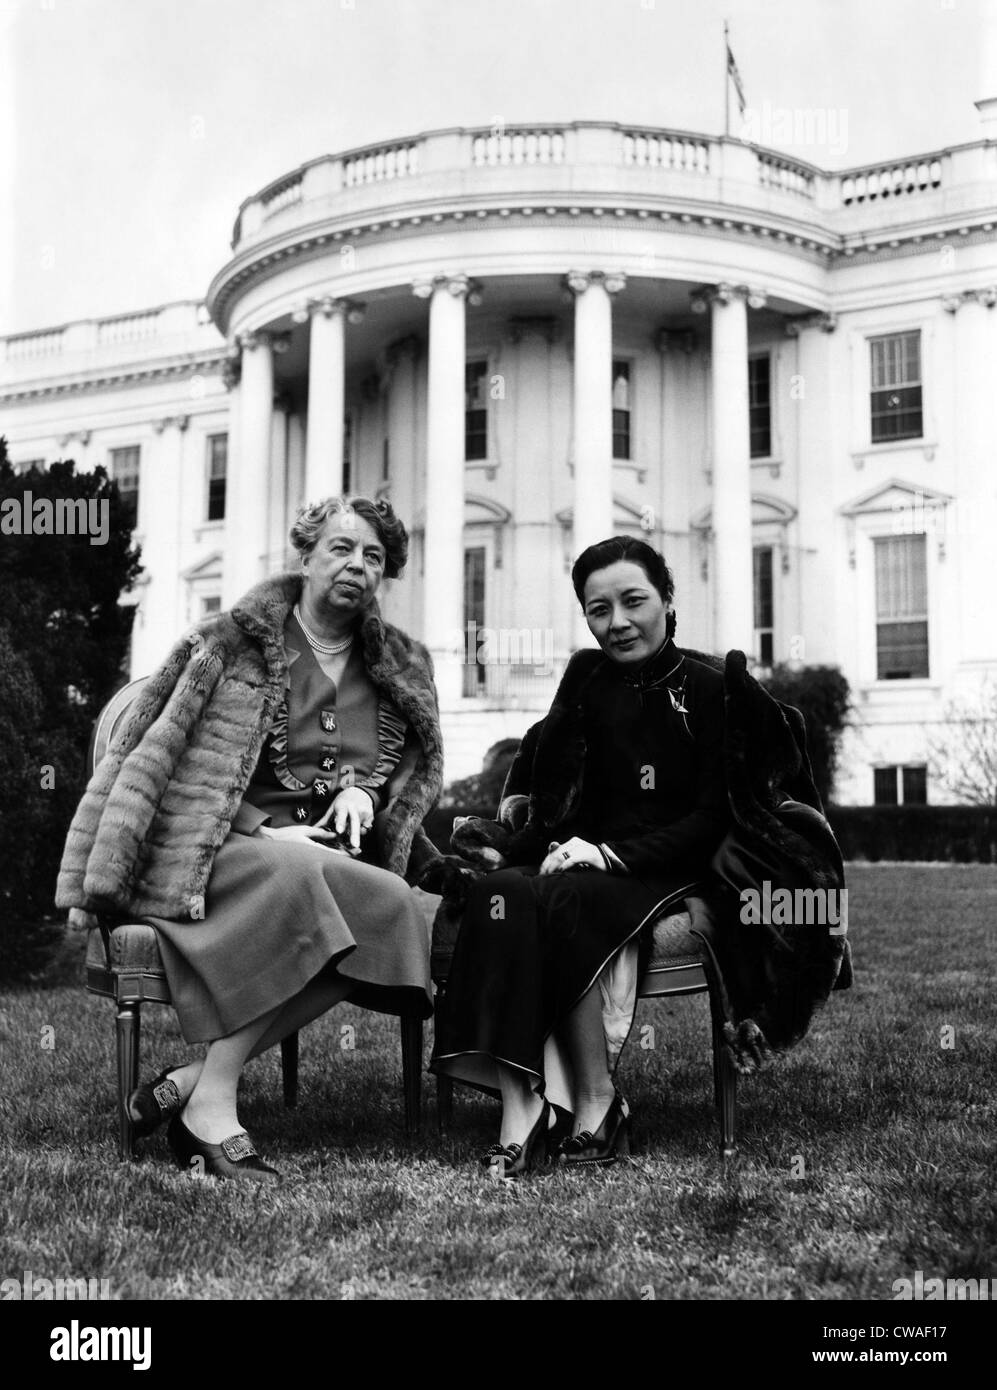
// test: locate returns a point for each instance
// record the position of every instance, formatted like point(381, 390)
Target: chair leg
point(289, 1067)
point(725, 1091)
point(411, 1029)
point(444, 1102)
point(127, 1043)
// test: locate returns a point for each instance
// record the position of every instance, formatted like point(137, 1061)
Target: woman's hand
point(354, 808)
point(573, 854)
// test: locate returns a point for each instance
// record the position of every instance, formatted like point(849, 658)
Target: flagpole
point(726, 80)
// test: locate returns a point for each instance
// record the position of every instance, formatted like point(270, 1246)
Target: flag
point(734, 75)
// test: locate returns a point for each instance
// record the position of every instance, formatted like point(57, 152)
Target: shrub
point(63, 643)
point(821, 694)
point(484, 788)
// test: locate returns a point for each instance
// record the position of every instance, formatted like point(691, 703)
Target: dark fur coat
point(770, 979)
point(162, 800)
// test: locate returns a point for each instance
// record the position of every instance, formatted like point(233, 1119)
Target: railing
point(518, 146)
point(282, 193)
point(25, 346)
point(891, 180)
point(646, 149)
point(786, 175)
point(395, 161)
point(128, 328)
point(181, 325)
point(566, 151)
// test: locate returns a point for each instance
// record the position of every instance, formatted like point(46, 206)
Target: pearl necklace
point(323, 648)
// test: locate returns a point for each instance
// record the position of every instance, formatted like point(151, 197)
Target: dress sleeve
point(694, 837)
point(391, 729)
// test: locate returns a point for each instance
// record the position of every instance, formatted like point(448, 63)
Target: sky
point(131, 130)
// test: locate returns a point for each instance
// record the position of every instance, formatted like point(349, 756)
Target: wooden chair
point(124, 964)
point(677, 966)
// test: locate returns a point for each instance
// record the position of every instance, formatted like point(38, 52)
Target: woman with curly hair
point(295, 725)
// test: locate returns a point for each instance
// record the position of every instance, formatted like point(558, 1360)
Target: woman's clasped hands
point(573, 854)
point(351, 814)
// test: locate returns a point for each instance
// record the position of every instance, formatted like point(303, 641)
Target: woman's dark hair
point(608, 552)
point(380, 515)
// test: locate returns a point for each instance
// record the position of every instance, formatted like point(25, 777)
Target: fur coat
point(770, 979)
point(163, 798)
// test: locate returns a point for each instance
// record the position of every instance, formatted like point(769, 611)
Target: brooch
point(676, 700)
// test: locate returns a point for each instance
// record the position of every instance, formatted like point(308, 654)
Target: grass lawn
point(866, 1154)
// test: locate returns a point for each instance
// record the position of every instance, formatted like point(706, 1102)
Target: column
point(733, 608)
point(326, 400)
point(294, 491)
point(962, 536)
point(159, 501)
point(812, 581)
point(592, 410)
point(592, 417)
point(443, 578)
point(277, 529)
point(403, 432)
point(248, 485)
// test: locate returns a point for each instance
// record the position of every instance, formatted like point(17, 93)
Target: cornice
point(264, 259)
point(824, 246)
point(134, 374)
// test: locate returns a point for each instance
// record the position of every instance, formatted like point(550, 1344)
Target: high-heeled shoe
point(513, 1160)
point(235, 1157)
point(609, 1142)
point(155, 1102)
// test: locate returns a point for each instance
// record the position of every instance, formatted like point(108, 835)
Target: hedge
point(952, 834)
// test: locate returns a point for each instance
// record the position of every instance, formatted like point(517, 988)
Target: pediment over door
point(896, 495)
point(208, 568)
point(765, 510)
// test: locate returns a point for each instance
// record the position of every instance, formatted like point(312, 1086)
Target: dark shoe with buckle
point(153, 1104)
point(610, 1141)
point(513, 1160)
point(235, 1157)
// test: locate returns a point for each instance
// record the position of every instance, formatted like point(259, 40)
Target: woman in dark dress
point(627, 802)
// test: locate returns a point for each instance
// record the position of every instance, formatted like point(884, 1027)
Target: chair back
point(109, 720)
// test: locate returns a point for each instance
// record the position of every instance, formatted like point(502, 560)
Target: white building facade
point(529, 338)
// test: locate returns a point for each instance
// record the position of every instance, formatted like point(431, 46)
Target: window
point(621, 410)
point(760, 406)
point(475, 410)
point(28, 464)
point(348, 455)
point(210, 603)
point(896, 387)
point(905, 785)
point(901, 607)
point(762, 557)
point(474, 619)
point(217, 470)
point(124, 470)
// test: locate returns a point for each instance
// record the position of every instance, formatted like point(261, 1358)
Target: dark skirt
point(529, 947)
point(277, 913)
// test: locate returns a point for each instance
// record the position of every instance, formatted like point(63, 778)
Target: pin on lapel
point(676, 700)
